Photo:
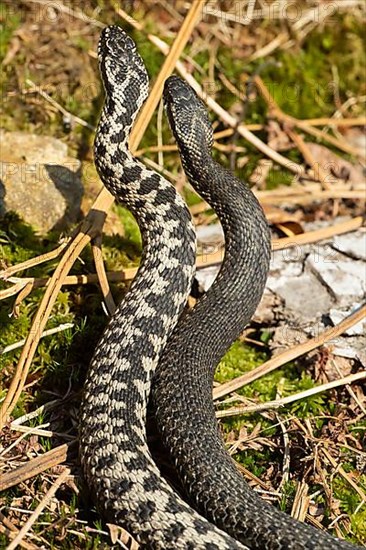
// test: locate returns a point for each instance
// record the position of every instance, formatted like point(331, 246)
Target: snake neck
point(238, 288)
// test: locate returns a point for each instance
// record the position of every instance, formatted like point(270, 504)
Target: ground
point(313, 66)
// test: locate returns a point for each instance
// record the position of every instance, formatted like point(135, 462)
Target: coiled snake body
point(116, 462)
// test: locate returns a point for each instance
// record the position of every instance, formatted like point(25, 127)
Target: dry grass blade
point(277, 111)
point(277, 403)
point(39, 322)
point(9, 271)
point(38, 511)
point(289, 355)
point(301, 502)
point(92, 224)
point(102, 275)
point(8, 529)
point(48, 332)
point(307, 196)
point(339, 122)
point(318, 234)
point(15, 289)
point(344, 474)
point(34, 467)
point(112, 276)
point(167, 68)
point(319, 173)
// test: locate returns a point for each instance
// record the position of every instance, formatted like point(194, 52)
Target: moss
point(349, 503)
point(9, 22)
point(358, 523)
point(238, 360)
point(278, 176)
point(303, 83)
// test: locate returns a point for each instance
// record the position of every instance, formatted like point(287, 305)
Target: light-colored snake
point(124, 480)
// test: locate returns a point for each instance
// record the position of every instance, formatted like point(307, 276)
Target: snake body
point(116, 462)
point(125, 482)
point(182, 387)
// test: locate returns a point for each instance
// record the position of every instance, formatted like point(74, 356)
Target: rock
point(337, 316)
point(269, 309)
point(39, 181)
point(309, 289)
point(304, 296)
point(206, 276)
point(352, 244)
point(344, 277)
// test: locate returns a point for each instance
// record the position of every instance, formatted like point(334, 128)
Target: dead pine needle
point(38, 511)
point(291, 354)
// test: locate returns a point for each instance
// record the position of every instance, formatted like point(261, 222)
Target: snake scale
point(182, 386)
point(126, 484)
point(116, 462)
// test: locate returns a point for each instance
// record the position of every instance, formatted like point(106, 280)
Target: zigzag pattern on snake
point(182, 387)
point(117, 465)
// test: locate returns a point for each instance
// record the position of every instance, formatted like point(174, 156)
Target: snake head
point(119, 61)
point(188, 117)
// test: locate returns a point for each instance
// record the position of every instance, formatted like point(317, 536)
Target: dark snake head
point(188, 118)
point(119, 61)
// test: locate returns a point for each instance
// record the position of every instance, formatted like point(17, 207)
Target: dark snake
point(182, 387)
point(124, 480)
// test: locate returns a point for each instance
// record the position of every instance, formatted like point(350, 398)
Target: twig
point(38, 511)
point(41, 431)
point(58, 106)
point(344, 474)
point(101, 274)
point(48, 332)
point(241, 409)
point(333, 121)
point(301, 502)
point(35, 466)
point(168, 66)
point(348, 388)
point(9, 271)
point(277, 111)
point(318, 234)
point(9, 529)
point(289, 355)
point(319, 173)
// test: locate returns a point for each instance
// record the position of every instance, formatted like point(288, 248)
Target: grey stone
point(345, 278)
point(39, 181)
point(338, 315)
point(206, 276)
point(304, 295)
point(307, 287)
point(352, 244)
point(353, 347)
